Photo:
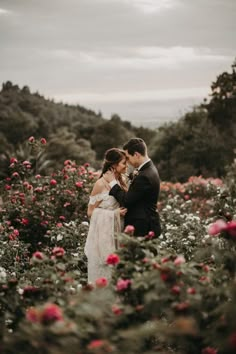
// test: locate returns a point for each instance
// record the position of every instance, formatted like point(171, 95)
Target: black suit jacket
point(141, 200)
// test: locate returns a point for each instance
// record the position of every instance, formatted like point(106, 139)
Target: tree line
point(202, 142)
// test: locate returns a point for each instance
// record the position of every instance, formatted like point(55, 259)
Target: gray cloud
point(85, 48)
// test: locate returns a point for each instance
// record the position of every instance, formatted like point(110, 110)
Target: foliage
point(172, 294)
point(33, 204)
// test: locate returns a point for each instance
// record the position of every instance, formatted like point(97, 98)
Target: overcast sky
point(147, 60)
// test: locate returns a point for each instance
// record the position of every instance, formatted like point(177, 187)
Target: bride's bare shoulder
point(98, 187)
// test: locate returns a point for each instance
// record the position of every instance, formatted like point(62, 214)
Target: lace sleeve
point(96, 198)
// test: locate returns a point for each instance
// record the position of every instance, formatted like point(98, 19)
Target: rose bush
point(172, 294)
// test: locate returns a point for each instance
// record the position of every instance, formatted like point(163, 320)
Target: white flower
point(191, 237)
point(75, 254)
point(59, 237)
point(85, 223)
point(3, 274)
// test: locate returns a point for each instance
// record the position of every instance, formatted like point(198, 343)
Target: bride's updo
point(112, 157)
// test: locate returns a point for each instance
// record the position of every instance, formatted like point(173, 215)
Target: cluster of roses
point(222, 226)
point(48, 314)
point(57, 252)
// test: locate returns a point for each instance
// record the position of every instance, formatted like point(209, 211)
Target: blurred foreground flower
point(113, 259)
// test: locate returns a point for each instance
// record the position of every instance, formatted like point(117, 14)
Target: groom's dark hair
point(136, 145)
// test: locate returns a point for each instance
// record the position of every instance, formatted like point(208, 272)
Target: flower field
point(172, 294)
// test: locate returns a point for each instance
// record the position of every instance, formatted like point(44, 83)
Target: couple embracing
point(114, 203)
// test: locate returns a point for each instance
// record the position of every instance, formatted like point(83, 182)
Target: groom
point(142, 196)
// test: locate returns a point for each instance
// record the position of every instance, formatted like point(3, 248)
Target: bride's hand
point(123, 211)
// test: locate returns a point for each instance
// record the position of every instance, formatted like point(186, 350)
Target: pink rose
point(191, 291)
point(32, 315)
point(231, 228)
point(38, 255)
point(67, 162)
point(51, 313)
point(13, 160)
point(53, 182)
point(79, 184)
point(15, 174)
point(129, 229)
point(43, 141)
point(31, 139)
point(179, 260)
point(175, 289)
point(116, 310)
point(96, 343)
point(150, 235)
point(58, 251)
point(113, 259)
point(123, 284)
point(25, 221)
point(101, 282)
point(217, 227)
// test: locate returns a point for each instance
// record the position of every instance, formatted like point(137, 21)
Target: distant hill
point(73, 132)
point(201, 142)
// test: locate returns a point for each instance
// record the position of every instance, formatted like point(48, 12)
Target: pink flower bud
point(15, 174)
point(31, 139)
point(13, 160)
point(43, 141)
point(150, 235)
point(129, 229)
point(25, 163)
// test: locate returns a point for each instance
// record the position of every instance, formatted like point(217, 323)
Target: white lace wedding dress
point(105, 222)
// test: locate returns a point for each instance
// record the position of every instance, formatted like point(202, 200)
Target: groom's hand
point(123, 211)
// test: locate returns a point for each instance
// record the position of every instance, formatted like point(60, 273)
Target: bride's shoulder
point(98, 193)
point(98, 187)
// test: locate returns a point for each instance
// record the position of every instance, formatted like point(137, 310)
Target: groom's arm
point(139, 189)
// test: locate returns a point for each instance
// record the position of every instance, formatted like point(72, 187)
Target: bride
point(106, 217)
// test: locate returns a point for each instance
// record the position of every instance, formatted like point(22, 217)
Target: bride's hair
point(111, 158)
